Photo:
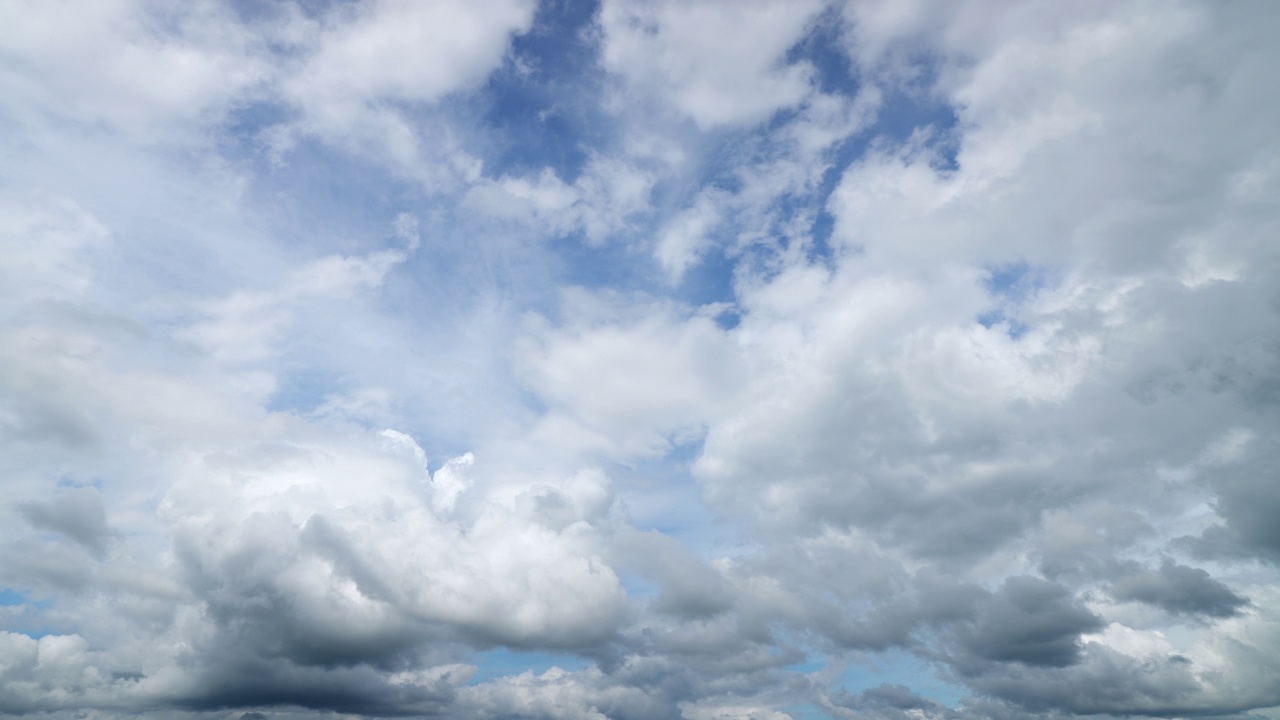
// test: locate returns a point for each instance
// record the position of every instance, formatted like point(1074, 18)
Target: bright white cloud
point(718, 63)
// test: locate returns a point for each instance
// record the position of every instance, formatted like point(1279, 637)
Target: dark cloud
point(247, 682)
point(1248, 500)
point(1101, 681)
point(257, 618)
point(892, 702)
point(1029, 621)
point(1179, 589)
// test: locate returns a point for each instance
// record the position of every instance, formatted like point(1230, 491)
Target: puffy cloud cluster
point(940, 331)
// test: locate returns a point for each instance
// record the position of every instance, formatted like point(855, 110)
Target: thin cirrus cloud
point(638, 360)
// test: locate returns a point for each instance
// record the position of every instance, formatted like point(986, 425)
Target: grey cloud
point(1180, 589)
point(1103, 681)
point(689, 588)
point(890, 702)
point(77, 513)
point(245, 682)
point(1248, 499)
point(1029, 621)
point(257, 618)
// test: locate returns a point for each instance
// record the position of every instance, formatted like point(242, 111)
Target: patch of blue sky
point(251, 11)
point(502, 662)
point(823, 49)
point(1011, 284)
point(811, 662)
point(21, 613)
point(71, 481)
point(899, 667)
point(35, 632)
point(1014, 327)
point(325, 200)
point(1015, 281)
point(241, 137)
point(710, 280)
point(906, 113)
point(901, 116)
point(302, 388)
point(624, 267)
point(658, 494)
point(541, 108)
point(638, 587)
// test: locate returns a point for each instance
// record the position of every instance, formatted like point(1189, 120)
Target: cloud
point(737, 75)
point(153, 73)
point(77, 513)
point(244, 326)
point(1031, 622)
point(361, 61)
point(1179, 589)
point(887, 701)
point(686, 238)
point(636, 386)
point(870, 359)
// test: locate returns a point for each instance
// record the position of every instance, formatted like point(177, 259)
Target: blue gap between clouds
point(612, 264)
point(23, 621)
point(541, 107)
point(501, 662)
point(903, 111)
point(303, 388)
point(684, 516)
point(900, 115)
point(822, 48)
point(1010, 283)
point(321, 201)
point(891, 667)
point(15, 598)
point(899, 667)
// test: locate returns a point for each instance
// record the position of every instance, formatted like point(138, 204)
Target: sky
point(645, 359)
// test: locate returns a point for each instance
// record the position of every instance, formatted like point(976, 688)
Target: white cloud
point(719, 64)
point(602, 200)
point(153, 73)
point(637, 385)
point(685, 237)
point(45, 249)
point(366, 56)
point(244, 326)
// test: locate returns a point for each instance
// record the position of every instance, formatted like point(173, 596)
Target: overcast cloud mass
point(901, 360)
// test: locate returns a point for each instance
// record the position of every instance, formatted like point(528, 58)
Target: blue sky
point(644, 359)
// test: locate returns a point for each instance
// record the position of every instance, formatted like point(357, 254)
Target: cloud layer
point(639, 360)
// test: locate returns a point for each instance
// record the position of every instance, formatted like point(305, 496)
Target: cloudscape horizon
point(639, 359)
